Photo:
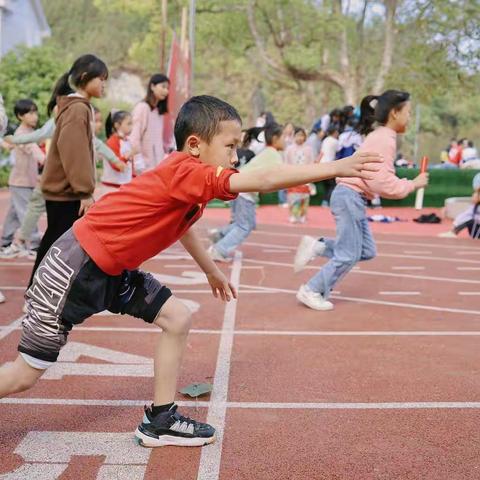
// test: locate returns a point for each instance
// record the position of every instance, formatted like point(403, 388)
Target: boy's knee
point(24, 383)
point(175, 317)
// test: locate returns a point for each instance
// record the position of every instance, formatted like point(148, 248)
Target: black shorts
point(68, 287)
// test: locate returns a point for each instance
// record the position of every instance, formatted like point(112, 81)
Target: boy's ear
point(193, 146)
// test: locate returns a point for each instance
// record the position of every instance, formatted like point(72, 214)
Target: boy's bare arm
point(217, 280)
point(362, 165)
point(193, 245)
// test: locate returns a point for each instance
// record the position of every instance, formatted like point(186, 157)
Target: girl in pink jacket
point(354, 241)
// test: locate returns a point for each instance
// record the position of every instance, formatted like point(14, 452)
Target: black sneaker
point(171, 428)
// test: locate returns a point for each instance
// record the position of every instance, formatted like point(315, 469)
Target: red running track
point(386, 386)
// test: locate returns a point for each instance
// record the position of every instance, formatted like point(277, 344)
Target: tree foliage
point(30, 73)
point(297, 58)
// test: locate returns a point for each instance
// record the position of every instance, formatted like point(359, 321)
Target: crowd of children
point(89, 257)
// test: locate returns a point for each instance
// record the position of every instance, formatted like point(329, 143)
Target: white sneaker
point(307, 250)
point(214, 235)
point(313, 299)
point(448, 234)
point(2, 297)
point(13, 251)
point(217, 256)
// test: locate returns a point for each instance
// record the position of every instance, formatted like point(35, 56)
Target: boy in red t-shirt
point(94, 265)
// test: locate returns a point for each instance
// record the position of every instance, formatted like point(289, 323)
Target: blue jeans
point(244, 221)
point(354, 241)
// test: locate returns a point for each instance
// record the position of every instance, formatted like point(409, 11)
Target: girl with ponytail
point(68, 179)
point(382, 118)
point(118, 127)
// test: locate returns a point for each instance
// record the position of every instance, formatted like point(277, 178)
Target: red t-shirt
point(140, 219)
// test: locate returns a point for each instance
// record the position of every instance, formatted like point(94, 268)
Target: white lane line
point(399, 293)
point(408, 268)
point(255, 405)
point(4, 287)
point(380, 302)
point(357, 406)
point(473, 269)
point(417, 252)
point(298, 333)
point(388, 255)
point(371, 272)
point(16, 264)
point(7, 329)
point(210, 459)
point(469, 293)
point(181, 266)
point(379, 242)
point(92, 402)
point(460, 252)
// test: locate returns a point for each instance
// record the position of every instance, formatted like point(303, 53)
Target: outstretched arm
point(361, 164)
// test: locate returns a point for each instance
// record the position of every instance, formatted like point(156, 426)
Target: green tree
point(30, 73)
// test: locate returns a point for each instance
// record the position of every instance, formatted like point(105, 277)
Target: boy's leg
point(17, 376)
point(11, 222)
point(35, 208)
point(174, 319)
point(140, 295)
point(9, 226)
point(241, 228)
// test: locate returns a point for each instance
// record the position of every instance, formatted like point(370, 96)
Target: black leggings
point(60, 218)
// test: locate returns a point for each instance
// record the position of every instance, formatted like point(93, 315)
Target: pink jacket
point(385, 183)
point(147, 134)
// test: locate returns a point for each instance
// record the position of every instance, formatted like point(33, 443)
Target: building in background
point(22, 22)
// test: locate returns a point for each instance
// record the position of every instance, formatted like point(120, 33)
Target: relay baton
point(421, 191)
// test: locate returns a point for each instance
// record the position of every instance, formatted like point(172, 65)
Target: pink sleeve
point(385, 182)
point(140, 119)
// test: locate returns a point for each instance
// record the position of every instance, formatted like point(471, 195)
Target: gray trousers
point(35, 208)
point(19, 198)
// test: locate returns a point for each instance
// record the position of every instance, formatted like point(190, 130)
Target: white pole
point(191, 38)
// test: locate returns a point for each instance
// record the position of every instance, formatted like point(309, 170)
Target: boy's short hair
point(201, 115)
point(23, 106)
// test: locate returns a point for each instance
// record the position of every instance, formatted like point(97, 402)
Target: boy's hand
point(121, 166)
point(221, 286)
point(359, 164)
point(421, 181)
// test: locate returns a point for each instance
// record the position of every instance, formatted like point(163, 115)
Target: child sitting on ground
point(470, 218)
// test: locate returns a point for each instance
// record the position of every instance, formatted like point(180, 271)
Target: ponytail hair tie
point(373, 103)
